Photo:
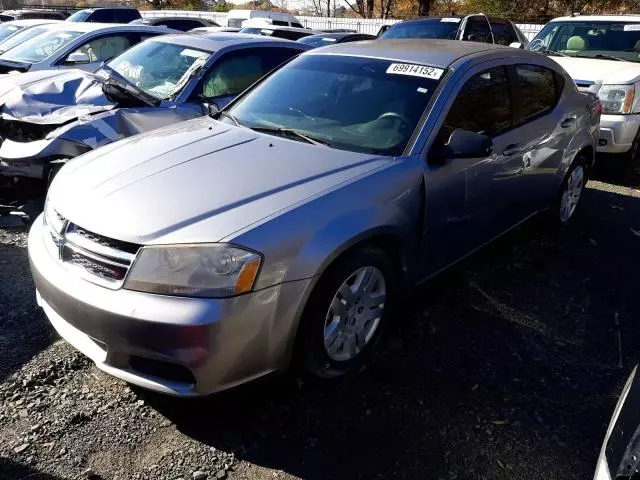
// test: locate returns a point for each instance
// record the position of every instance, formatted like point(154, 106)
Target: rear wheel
point(347, 313)
point(571, 191)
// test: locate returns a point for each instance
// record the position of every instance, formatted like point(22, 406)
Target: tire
point(570, 191)
point(320, 350)
point(631, 160)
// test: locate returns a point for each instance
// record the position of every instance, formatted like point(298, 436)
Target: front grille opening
point(107, 242)
point(101, 269)
point(161, 369)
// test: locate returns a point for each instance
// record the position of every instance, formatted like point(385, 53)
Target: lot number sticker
point(415, 70)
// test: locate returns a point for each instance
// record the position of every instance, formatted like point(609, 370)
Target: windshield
point(257, 31)
point(159, 69)
point(590, 39)
point(442, 28)
point(7, 29)
point(318, 41)
point(20, 37)
point(42, 46)
point(79, 16)
point(349, 103)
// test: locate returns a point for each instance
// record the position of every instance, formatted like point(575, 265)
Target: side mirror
point(516, 45)
point(212, 108)
point(77, 58)
point(462, 144)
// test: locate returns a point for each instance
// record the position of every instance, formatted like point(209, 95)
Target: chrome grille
point(99, 259)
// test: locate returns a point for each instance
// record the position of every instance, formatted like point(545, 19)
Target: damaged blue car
point(49, 117)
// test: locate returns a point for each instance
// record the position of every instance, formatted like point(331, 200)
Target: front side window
point(538, 93)
point(102, 49)
point(41, 47)
point(440, 28)
point(477, 30)
point(350, 103)
point(101, 16)
point(605, 40)
point(482, 106)
point(182, 25)
point(159, 69)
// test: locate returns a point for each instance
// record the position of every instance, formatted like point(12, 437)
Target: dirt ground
point(506, 367)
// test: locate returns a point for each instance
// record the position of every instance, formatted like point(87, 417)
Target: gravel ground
point(506, 367)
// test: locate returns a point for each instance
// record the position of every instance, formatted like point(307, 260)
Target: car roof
point(213, 41)
point(282, 27)
point(430, 19)
point(437, 53)
point(599, 18)
point(87, 27)
point(93, 9)
point(32, 22)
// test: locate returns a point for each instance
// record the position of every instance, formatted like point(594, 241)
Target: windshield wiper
point(229, 116)
point(290, 132)
point(552, 52)
point(608, 57)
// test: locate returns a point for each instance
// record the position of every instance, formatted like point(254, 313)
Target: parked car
point(49, 117)
point(601, 53)
point(212, 252)
point(288, 33)
point(183, 24)
point(338, 30)
point(323, 39)
point(474, 28)
point(10, 15)
point(84, 46)
point(620, 454)
point(8, 29)
point(26, 33)
point(236, 18)
point(105, 15)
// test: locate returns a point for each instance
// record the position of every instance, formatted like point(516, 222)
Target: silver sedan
point(203, 255)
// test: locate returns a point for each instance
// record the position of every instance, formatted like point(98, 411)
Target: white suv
point(602, 55)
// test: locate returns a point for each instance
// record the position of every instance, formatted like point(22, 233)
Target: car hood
point(51, 97)
point(197, 181)
point(592, 71)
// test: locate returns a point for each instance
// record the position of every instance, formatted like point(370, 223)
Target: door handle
point(512, 149)
point(568, 122)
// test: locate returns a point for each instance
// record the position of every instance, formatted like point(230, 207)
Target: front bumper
point(617, 133)
point(174, 345)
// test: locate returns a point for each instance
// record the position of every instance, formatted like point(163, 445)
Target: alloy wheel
point(354, 314)
point(571, 193)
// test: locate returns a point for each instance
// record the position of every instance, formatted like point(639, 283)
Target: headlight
point(52, 218)
point(202, 270)
point(617, 98)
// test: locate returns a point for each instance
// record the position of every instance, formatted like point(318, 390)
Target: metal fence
point(362, 25)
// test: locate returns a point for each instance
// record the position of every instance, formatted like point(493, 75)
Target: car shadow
point(24, 331)
point(11, 470)
point(506, 366)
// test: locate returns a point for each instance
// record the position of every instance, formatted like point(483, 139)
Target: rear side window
point(101, 16)
point(477, 30)
point(482, 106)
point(296, 24)
point(281, 23)
point(502, 33)
point(126, 15)
point(288, 34)
point(538, 90)
point(182, 25)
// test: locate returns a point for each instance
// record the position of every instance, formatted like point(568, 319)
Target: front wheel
point(347, 313)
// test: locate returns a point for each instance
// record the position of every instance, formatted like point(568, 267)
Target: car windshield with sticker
point(350, 103)
point(438, 28)
point(606, 40)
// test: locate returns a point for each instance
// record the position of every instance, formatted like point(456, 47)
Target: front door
point(472, 200)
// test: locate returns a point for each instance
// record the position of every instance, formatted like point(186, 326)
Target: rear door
point(546, 123)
